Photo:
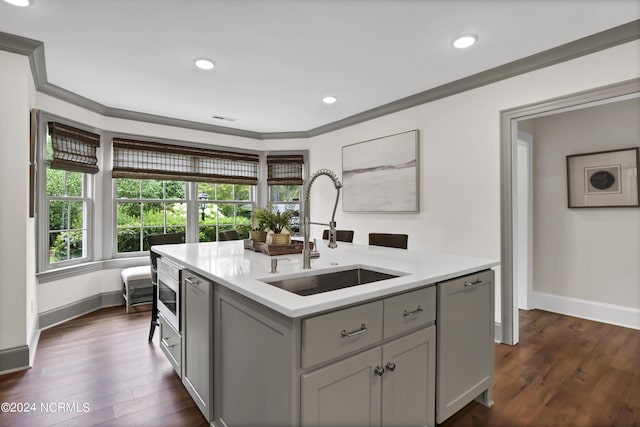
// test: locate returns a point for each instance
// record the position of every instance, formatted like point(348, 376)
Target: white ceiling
point(276, 59)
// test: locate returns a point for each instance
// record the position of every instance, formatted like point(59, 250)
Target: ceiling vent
point(228, 119)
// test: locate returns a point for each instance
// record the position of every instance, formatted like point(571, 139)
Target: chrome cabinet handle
point(391, 366)
point(166, 344)
point(477, 282)
point(412, 313)
point(195, 284)
point(378, 371)
point(191, 280)
point(362, 330)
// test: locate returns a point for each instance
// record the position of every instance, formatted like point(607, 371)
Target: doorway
point(516, 230)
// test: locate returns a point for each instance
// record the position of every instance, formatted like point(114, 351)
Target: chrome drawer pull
point(378, 371)
point(412, 313)
point(362, 330)
point(191, 281)
point(477, 282)
point(391, 366)
point(166, 344)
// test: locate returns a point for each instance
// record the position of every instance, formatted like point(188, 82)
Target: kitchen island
point(360, 355)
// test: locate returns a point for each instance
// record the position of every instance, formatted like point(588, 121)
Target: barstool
point(153, 240)
point(389, 240)
point(341, 235)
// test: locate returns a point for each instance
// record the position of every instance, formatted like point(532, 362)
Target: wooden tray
point(272, 250)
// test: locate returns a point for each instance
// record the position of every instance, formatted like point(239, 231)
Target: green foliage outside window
point(223, 207)
point(67, 232)
point(145, 207)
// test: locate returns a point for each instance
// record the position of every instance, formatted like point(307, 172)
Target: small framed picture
point(603, 179)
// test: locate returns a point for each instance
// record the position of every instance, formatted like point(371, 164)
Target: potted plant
point(259, 225)
point(277, 222)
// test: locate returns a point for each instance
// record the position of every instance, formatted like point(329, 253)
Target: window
point(223, 207)
point(286, 197)
point(68, 219)
point(70, 162)
point(216, 193)
point(147, 206)
point(285, 179)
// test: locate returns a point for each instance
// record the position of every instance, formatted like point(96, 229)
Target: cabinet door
point(465, 348)
point(408, 384)
point(197, 336)
point(345, 393)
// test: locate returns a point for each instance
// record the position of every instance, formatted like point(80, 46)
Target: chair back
point(341, 235)
point(161, 239)
point(228, 235)
point(389, 240)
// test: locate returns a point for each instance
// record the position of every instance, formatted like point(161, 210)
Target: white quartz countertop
point(242, 270)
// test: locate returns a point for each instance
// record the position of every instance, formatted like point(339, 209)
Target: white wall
point(460, 155)
point(15, 228)
point(72, 112)
point(59, 293)
point(589, 254)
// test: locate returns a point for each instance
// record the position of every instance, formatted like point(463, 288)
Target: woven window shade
point(285, 170)
point(73, 149)
point(154, 160)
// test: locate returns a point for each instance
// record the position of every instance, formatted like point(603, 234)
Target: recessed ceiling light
point(21, 3)
point(204, 64)
point(464, 40)
point(329, 99)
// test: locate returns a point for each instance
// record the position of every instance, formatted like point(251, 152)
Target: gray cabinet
point(197, 294)
point(389, 385)
point(411, 359)
point(409, 381)
point(465, 347)
point(371, 364)
point(345, 393)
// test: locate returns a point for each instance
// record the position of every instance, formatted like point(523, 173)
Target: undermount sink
point(325, 282)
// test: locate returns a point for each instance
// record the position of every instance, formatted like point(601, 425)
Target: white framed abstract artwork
point(381, 175)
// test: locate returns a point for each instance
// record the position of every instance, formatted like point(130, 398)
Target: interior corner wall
point(460, 156)
point(590, 254)
point(31, 248)
point(14, 193)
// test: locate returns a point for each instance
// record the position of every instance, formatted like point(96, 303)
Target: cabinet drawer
point(468, 282)
point(171, 344)
point(340, 332)
point(408, 311)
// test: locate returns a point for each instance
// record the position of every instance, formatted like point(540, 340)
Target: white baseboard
point(628, 317)
point(497, 332)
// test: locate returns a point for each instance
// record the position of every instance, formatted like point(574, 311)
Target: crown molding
point(625, 33)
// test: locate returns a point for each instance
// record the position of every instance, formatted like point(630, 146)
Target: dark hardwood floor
point(565, 372)
point(102, 359)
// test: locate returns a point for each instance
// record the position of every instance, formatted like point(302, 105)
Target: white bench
point(137, 287)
